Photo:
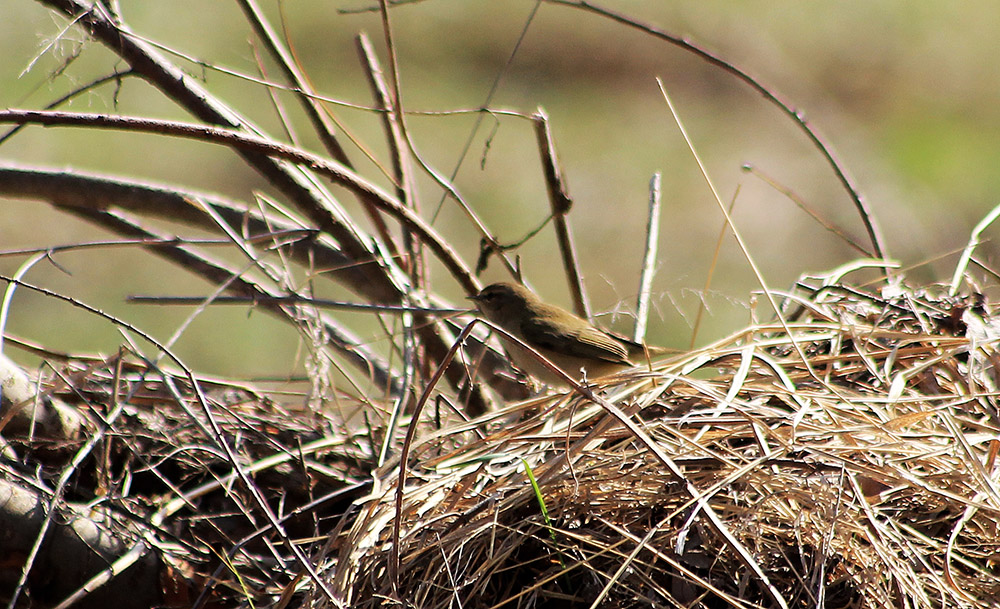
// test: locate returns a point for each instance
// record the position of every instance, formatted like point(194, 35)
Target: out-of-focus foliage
point(906, 94)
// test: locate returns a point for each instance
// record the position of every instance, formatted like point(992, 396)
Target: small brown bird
point(570, 342)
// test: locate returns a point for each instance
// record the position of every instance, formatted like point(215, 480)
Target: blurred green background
point(906, 93)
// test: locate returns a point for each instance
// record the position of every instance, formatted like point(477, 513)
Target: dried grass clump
point(143, 503)
point(861, 476)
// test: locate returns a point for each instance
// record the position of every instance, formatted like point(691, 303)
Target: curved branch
point(370, 193)
point(295, 182)
point(84, 540)
point(90, 197)
point(796, 115)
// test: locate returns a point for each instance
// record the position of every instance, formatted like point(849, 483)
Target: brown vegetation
point(842, 454)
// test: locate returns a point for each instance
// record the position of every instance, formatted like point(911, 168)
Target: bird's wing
point(585, 341)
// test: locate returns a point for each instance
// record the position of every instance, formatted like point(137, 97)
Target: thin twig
point(439, 179)
point(494, 87)
point(294, 181)
point(349, 346)
point(115, 76)
point(276, 102)
point(878, 243)
point(321, 121)
point(974, 237)
point(801, 203)
point(648, 259)
point(235, 139)
point(711, 270)
point(561, 203)
point(732, 225)
point(405, 450)
point(402, 172)
point(321, 124)
point(322, 303)
point(390, 120)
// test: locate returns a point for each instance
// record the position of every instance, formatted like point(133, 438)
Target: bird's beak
point(475, 303)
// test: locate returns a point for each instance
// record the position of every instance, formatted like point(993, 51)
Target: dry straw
point(869, 481)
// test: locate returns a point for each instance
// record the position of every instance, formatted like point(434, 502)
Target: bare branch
point(648, 259)
point(377, 282)
point(82, 542)
point(797, 116)
point(259, 145)
point(92, 196)
point(561, 203)
point(399, 152)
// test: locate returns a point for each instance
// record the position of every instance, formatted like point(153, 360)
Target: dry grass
point(865, 478)
point(862, 476)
